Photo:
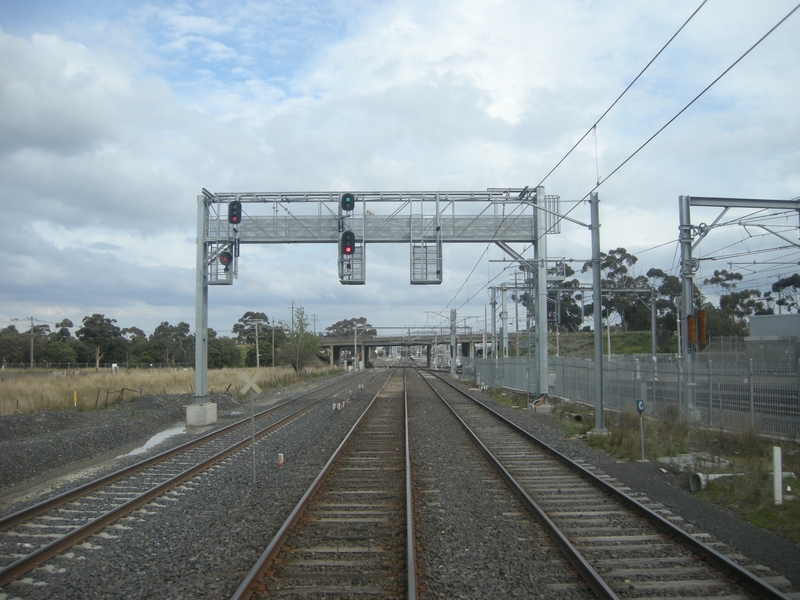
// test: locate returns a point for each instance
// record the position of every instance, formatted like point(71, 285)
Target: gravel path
point(223, 522)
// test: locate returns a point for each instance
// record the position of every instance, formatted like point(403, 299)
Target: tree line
point(631, 311)
point(100, 340)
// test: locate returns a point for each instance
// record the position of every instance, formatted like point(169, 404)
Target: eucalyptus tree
point(100, 334)
point(301, 345)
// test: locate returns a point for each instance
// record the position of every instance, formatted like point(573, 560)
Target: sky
point(114, 115)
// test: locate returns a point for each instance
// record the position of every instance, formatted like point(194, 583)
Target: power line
point(593, 127)
point(745, 253)
point(685, 108)
point(675, 241)
point(480, 258)
point(651, 138)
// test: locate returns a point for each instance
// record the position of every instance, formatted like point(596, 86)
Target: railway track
point(622, 548)
point(474, 537)
point(351, 535)
point(32, 536)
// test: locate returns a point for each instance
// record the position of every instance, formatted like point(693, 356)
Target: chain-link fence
point(732, 395)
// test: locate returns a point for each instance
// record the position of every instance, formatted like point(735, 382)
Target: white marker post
point(777, 475)
point(251, 385)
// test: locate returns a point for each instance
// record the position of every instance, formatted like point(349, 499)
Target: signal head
point(348, 243)
point(235, 212)
point(226, 259)
point(348, 201)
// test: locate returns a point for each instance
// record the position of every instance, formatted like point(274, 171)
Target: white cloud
point(108, 133)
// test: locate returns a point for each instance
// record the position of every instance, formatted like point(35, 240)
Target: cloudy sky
point(114, 115)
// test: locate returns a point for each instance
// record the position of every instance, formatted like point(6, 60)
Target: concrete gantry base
point(201, 414)
point(598, 432)
point(692, 416)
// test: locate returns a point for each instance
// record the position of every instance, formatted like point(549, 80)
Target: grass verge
point(748, 493)
point(90, 391)
point(749, 496)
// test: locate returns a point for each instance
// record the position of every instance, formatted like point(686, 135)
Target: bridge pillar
point(336, 354)
point(428, 355)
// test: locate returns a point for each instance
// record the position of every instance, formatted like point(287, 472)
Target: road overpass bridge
point(360, 344)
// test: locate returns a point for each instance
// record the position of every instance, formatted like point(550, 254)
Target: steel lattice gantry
point(425, 220)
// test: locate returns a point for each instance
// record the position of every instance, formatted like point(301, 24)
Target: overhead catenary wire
point(592, 128)
point(686, 107)
point(671, 120)
point(696, 98)
point(635, 79)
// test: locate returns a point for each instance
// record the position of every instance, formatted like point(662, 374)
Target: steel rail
point(254, 580)
point(732, 570)
point(47, 505)
point(575, 558)
point(25, 564)
point(411, 554)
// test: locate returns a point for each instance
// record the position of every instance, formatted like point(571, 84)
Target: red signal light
point(235, 212)
point(348, 243)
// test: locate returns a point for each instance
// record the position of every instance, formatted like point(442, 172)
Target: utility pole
point(258, 364)
point(688, 268)
point(540, 254)
point(494, 322)
point(314, 317)
point(485, 323)
point(32, 363)
point(292, 317)
point(453, 342)
point(516, 313)
point(250, 322)
point(504, 321)
point(600, 424)
point(273, 345)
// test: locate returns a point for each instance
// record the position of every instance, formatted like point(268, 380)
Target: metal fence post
point(655, 376)
point(751, 392)
point(710, 395)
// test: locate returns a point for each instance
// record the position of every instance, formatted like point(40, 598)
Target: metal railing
point(751, 394)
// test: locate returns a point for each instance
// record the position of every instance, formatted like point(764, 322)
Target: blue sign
point(640, 406)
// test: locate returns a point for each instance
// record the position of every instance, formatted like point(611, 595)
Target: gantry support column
point(540, 249)
point(201, 411)
point(600, 424)
point(687, 309)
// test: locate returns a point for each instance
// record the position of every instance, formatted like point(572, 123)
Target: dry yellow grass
point(21, 392)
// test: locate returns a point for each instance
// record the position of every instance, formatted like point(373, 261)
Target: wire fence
point(45, 367)
point(749, 394)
